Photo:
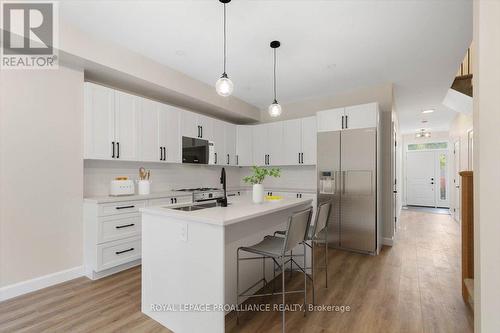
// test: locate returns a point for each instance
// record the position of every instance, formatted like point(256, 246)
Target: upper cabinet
point(299, 141)
point(244, 145)
point(170, 134)
point(111, 124)
point(194, 125)
point(267, 143)
point(351, 117)
point(219, 141)
point(230, 134)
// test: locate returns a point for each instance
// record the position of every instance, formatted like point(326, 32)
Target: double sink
point(197, 206)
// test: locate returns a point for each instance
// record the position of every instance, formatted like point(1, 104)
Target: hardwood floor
point(411, 287)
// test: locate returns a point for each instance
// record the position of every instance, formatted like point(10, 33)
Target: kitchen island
point(189, 259)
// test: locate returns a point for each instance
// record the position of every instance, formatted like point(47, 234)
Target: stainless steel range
point(204, 193)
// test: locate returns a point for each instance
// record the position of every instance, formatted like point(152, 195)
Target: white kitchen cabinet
point(330, 120)
point(244, 145)
point(99, 121)
point(127, 126)
point(230, 134)
point(169, 133)
point(361, 116)
point(275, 143)
point(219, 140)
point(259, 143)
point(292, 142)
point(111, 124)
point(206, 126)
point(309, 137)
point(149, 129)
point(196, 126)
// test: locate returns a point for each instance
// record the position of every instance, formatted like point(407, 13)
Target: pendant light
point(274, 109)
point(224, 86)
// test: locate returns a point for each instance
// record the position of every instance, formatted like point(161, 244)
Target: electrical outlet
point(183, 232)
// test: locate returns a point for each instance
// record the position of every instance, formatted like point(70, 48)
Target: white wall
point(41, 172)
point(164, 177)
point(486, 166)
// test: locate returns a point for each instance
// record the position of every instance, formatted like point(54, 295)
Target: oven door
point(194, 150)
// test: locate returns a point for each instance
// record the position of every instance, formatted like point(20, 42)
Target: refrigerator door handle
point(344, 176)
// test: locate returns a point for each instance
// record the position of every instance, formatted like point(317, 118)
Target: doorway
point(427, 178)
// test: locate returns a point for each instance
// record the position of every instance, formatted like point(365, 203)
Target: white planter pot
point(258, 193)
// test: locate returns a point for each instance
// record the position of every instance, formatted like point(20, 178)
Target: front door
point(427, 178)
point(420, 175)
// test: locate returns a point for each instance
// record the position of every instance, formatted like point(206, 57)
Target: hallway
point(412, 287)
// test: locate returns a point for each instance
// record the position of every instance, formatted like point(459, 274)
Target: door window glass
point(427, 146)
point(443, 166)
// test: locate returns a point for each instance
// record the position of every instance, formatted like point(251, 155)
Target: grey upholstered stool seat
point(276, 249)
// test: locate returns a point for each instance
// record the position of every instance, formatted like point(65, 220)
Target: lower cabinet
point(112, 234)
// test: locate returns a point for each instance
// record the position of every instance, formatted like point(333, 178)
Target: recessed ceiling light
point(428, 111)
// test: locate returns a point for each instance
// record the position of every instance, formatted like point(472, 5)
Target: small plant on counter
point(259, 174)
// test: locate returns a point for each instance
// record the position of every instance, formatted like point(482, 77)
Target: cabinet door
point(330, 120)
point(244, 145)
point(291, 142)
point(259, 143)
point(170, 133)
point(150, 126)
point(361, 116)
point(189, 124)
point(309, 139)
point(99, 119)
point(127, 126)
point(275, 143)
point(230, 131)
point(219, 139)
point(206, 124)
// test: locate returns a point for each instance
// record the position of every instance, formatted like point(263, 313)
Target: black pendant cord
point(224, 73)
point(275, 101)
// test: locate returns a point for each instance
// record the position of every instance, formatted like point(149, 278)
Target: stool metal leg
point(283, 293)
point(305, 279)
point(326, 257)
point(291, 263)
point(312, 271)
point(237, 285)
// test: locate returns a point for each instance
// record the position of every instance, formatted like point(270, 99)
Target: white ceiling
point(327, 46)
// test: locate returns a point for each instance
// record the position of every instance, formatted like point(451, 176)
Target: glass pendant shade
point(224, 86)
point(274, 109)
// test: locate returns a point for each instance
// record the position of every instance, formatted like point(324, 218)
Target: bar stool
point(276, 248)
point(317, 233)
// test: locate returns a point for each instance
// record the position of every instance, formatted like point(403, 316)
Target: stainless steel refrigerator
point(347, 174)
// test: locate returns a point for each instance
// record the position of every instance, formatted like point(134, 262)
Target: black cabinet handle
point(171, 200)
point(237, 160)
point(201, 127)
point(125, 226)
point(299, 158)
point(346, 118)
point(161, 153)
point(113, 145)
point(302, 156)
point(164, 153)
point(125, 207)
point(215, 158)
point(227, 159)
point(175, 200)
point(128, 250)
point(269, 162)
point(117, 149)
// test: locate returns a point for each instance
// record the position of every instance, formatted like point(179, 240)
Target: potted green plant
point(256, 179)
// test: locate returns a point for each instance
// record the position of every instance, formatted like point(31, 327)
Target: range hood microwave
point(197, 151)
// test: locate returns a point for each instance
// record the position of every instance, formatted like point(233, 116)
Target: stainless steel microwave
point(195, 150)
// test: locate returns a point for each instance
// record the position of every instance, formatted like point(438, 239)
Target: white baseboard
point(388, 241)
point(38, 283)
point(99, 275)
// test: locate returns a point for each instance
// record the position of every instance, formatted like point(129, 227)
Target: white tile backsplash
point(165, 177)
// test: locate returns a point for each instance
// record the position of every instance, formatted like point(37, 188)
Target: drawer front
point(117, 253)
point(123, 207)
point(112, 228)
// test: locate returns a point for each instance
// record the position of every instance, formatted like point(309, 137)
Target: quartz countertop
point(239, 209)
point(156, 195)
